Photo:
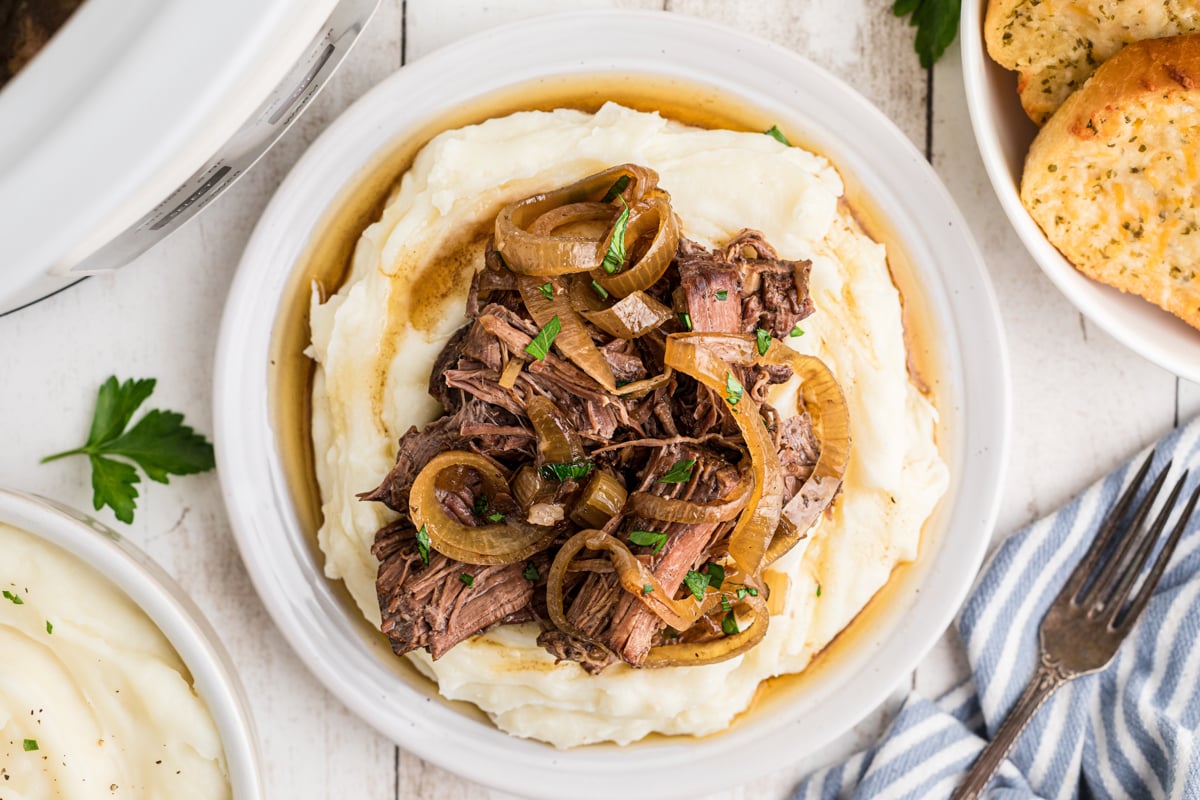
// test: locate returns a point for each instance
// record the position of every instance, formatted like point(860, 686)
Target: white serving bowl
point(1004, 133)
point(164, 602)
point(267, 508)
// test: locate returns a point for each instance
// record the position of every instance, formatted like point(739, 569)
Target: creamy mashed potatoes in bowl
point(358, 275)
point(111, 682)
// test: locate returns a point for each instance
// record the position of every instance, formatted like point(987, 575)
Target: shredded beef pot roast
point(619, 475)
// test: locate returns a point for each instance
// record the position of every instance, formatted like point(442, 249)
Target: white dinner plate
point(316, 615)
point(1004, 132)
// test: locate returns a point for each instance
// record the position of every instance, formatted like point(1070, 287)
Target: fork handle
point(1049, 676)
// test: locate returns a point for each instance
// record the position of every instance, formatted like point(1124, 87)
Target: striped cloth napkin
point(1129, 731)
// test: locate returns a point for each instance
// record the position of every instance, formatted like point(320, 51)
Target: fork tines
point(1104, 580)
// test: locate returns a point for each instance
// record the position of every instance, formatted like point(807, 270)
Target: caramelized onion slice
point(651, 506)
point(632, 316)
point(823, 399)
point(694, 354)
point(633, 576)
point(543, 253)
point(505, 542)
point(688, 654)
point(574, 341)
point(651, 237)
point(557, 439)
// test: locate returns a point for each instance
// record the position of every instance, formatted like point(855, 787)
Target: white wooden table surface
point(1082, 402)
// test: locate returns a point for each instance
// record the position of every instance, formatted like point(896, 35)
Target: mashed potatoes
point(375, 342)
point(94, 701)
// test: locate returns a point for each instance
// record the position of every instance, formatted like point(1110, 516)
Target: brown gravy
point(331, 246)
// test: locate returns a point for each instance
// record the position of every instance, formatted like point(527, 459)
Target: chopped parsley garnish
point(746, 590)
point(725, 604)
point(723, 294)
point(818, 590)
point(716, 575)
point(480, 505)
point(614, 259)
point(159, 443)
point(531, 573)
point(647, 589)
point(566, 471)
point(30, 745)
point(777, 135)
point(763, 340)
point(680, 471)
point(733, 389)
point(49, 626)
point(729, 625)
point(696, 583)
point(686, 319)
point(599, 290)
point(617, 187)
point(423, 544)
point(795, 331)
point(468, 580)
point(495, 517)
point(649, 539)
point(547, 290)
point(539, 348)
point(15, 598)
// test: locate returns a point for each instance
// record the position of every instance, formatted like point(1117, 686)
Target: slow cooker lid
point(122, 105)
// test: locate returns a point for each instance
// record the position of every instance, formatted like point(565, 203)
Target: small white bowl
point(162, 599)
point(1004, 133)
point(267, 508)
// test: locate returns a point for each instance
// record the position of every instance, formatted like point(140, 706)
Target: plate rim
point(236, 421)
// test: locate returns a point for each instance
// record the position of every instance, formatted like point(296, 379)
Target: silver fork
point(1092, 614)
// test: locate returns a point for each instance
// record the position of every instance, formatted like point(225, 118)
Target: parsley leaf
point(686, 319)
point(729, 625)
point(777, 135)
point(566, 470)
point(649, 539)
point(679, 472)
point(49, 626)
point(614, 259)
point(423, 544)
point(599, 290)
point(539, 348)
point(468, 580)
point(795, 331)
point(618, 186)
point(763, 340)
point(723, 294)
point(696, 583)
point(716, 575)
point(496, 517)
point(29, 745)
point(159, 443)
point(530, 573)
point(733, 389)
point(647, 588)
point(480, 505)
point(547, 290)
point(936, 22)
point(14, 598)
point(818, 590)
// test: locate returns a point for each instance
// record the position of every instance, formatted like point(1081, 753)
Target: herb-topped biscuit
point(1112, 178)
point(1055, 45)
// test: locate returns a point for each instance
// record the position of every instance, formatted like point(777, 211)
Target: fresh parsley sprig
point(159, 443)
point(936, 22)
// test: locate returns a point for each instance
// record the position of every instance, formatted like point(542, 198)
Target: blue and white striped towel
point(1130, 731)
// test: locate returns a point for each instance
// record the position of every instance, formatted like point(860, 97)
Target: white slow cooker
point(138, 113)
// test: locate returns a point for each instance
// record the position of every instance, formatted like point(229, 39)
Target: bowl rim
point(1154, 334)
point(247, 456)
point(158, 595)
